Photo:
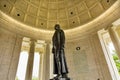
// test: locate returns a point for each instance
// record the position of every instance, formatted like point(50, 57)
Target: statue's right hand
point(53, 50)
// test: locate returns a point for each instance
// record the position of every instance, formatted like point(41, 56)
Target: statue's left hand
point(62, 47)
point(53, 50)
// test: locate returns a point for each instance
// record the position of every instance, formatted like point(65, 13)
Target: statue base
point(60, 79)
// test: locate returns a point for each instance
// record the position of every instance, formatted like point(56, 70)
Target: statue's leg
point(58, 63)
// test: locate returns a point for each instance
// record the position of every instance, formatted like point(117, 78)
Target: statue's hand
point(53, 50)
point(62, 47)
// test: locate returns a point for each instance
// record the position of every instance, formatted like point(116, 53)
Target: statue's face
point(57, 27)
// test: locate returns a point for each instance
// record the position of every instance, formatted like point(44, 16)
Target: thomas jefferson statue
point(60, 66)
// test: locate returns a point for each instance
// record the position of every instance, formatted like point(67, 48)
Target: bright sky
point(111, 47)
point(22, 65)
point(36, 65)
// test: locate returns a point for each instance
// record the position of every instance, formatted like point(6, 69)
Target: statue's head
point(57, 27)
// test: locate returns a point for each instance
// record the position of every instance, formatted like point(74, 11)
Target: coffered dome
point(44, 14)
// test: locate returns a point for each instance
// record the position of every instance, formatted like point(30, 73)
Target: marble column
point(47, 76)
point(46, 62)
point(30, 61)
point(51, 63)
point(41, 66)
point(43, 75)
point(10, 47)
point(115, 40)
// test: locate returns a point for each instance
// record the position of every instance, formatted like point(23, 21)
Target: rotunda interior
point(92, 38)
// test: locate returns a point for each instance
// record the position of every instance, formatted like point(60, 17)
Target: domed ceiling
point(44, 14)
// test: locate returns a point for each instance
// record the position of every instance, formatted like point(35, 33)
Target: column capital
point(47, 42)
point(109, 27)
point(33, 40)
point(20, 36)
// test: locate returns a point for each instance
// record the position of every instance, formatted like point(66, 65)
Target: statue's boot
point(58, 77)
point(65, 77)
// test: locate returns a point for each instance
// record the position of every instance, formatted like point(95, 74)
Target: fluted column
point(114, 39)
point(46, 62)
point(41, 66)
point(47, 76)
point(51, 63)
point(30, 61)
point(43, 75)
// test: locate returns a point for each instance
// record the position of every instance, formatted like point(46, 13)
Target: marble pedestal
point(60, 79)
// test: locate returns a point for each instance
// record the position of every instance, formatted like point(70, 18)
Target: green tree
point(117, 61)
point(17, 78)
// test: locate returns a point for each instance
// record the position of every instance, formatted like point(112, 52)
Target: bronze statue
point(60, 66)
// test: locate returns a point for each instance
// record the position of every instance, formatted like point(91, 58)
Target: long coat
point(58, 48)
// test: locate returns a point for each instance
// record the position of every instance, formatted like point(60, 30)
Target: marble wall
point(89, 62)
point(10, 47)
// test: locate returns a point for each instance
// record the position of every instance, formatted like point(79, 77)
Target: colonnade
point(10, 49)
point(44, 70)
